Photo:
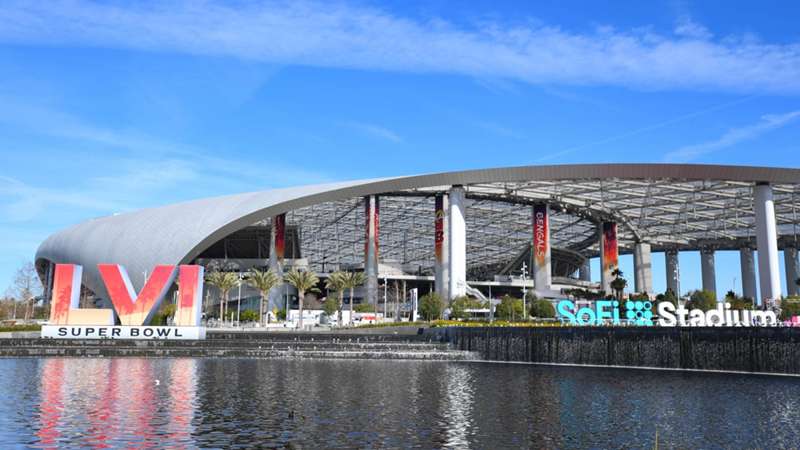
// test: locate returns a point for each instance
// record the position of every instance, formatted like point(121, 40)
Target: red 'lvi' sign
point(134, 309)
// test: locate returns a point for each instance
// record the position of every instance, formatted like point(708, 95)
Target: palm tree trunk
point(262, 317)
point(300, 296)
point(341, 304)
point(222, 307)
point(351, 306)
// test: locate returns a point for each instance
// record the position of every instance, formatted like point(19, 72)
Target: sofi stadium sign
point(133, 310)
point(604, 312)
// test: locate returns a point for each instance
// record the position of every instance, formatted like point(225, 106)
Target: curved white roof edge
point(176, 234)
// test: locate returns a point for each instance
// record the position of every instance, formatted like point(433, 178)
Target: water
point(380, 404)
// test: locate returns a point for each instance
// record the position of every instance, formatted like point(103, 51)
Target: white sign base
point(121, 332)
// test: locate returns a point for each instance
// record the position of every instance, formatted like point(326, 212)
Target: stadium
point(478, 232)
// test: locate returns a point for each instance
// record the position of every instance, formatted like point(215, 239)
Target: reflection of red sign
point(133, 309)
point(439, 227)
point(610, 247)
point(540, 234)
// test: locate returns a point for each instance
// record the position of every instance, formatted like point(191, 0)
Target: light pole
point(524, 290)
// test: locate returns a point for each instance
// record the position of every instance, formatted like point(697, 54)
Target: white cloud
point(375, 131)
point(732, 137)
point(340, 35)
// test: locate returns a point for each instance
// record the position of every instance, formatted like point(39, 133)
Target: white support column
point(792, 267)
point(458, 243)
point(643, 268)
point(767, 241)
point(371, 212)
point(585, 272)
point(708, 270)
point(673, 271)
point(748, 265)
point(277, 243)
point(542, 273)
point(609, 254)
point(442, 248)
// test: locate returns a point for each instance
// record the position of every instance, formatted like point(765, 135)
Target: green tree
point(224, 282)
point(703, 300)
point(365, 308)
point(263, 281)
point(618, 284)
point(303, 281)
point(331, 305)
point(431, 306)
point(249, 316)
point(338, 282)
point(352, 281)
point(161, 317)
point(668, 296)
point(509, 308)
point(460, 305)
point(789, 308)
point(542, 309)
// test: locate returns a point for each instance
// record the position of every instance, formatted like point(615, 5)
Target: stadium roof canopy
point(671, 206)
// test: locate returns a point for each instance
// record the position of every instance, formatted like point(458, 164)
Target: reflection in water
point(113, 402)
point(107, 401)
point(457, 409)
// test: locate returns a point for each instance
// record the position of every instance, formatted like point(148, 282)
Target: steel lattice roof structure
point(670, 206)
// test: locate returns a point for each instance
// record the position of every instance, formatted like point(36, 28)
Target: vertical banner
point(371, 247)
point(609, 253)
point(439, 228)
point(440, 245)
point(279, 229)
point(541, 247)
point(376, 209)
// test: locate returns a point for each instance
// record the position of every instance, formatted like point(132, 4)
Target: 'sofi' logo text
point(640, 312)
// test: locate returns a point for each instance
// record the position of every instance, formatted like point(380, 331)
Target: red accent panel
point(610, 246)
point(439, 228)
point(138, 311)
point(279, 222)
point(65, 292)
point(540, 234)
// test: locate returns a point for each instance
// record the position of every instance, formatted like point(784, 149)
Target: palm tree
point(224, 281)
point(337, 281)
point(264, 281)
point(618, 283)
point(352, 281)
point(302, 281)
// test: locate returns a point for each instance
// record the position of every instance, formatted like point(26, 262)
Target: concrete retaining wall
point(771, 350)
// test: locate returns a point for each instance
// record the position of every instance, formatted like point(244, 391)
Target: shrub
point(431, 306)
point(703, 300)
point(331, 306)
point(364, 307)
point(789, 308)
point(248, 315)
point(281, 315)
point(543, 309)
point(740, 303)
point(161, 317)
point(510, 308)
point(459, 305)
point(668, 296)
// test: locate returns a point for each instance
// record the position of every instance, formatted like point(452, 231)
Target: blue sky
point(112, 106)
